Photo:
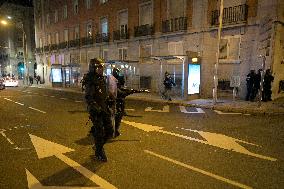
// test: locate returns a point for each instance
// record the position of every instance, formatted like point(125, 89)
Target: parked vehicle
point(11, 82)
point(2, 85)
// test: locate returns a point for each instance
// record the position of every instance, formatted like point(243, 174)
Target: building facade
point(17, 42)
point(154, 36)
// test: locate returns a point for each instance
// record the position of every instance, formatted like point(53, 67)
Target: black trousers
point(102, 129)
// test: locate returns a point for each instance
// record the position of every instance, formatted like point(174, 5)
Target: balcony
point(119, 35)
point(174, 25)
point(231, 15)
point(144, 30)
point(74, 43)
point(63, 45)
point(38, 50)
point(46, 48)
point(54, 47)
point(87, 40)
point(102, 37)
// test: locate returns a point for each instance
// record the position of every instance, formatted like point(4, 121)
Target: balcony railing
point(87, 40)
point(46, 48)
point(54, 47)
point(63, 45)
point(143, 30)
point(38, 50)
point(74, 43)
point(231, 15)
point(118, 35)
point(102, 37)
point(174, 25)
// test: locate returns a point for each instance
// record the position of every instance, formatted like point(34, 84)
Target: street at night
point(44, 142)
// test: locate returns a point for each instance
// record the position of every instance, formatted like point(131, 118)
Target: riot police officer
point(97, 105)
point(268, 79)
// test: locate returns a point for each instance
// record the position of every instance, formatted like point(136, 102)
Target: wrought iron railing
point(118, 35)
point(174, 25)
point(38, 50)
point(46, 48)
point(143, 30)
point(74, 43)
point(54, 47)
point(87, 40)
point(63, 45)
point(102, 37)
point(231, 15)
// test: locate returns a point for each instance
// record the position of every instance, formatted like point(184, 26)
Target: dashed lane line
point(220, 178)
point(37, 110)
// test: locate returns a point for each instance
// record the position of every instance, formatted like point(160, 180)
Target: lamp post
point(217, 54)
point(24, 36)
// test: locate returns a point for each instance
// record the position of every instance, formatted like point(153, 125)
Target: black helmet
point(95, 63)
point(115, 72)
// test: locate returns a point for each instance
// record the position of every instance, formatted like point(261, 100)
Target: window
point(123, 21)
point(57, 38)
point(176, 8)
point(89, 29)
point(66, 35)
point(65, 12)
point(47, 19)
point(77, 33)
point(103, 1)
point(75, 6)
point(175, 48)
point(230, 49)
point(104, 26)
point(145, 51)
point(88, 4)
point(56, 16)
point(122, 53)
point(145, 13)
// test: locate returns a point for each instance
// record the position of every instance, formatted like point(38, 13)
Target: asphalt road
point(44, 143)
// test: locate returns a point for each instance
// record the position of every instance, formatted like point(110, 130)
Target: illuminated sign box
point(193, 78)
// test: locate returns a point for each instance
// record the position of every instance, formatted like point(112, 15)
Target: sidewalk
point(226, 105)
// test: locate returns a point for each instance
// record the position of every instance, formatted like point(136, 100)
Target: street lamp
point(4, 22)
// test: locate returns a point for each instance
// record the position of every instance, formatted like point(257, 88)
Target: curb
point(244, 110)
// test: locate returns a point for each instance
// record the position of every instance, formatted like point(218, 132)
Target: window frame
point(75, 7)
point(228, 59)
point(152, 11)
point(123, 57)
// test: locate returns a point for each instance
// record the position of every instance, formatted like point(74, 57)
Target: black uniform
point(96, 97)
point(268, 79)
point(250, 81)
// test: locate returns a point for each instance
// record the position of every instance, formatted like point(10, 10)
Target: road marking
point(45, 148)
point(4, 135)
point(79, 101)
point(228, 113)
point(37, 110)
point(165, 109)
point(44, 95)
point(129, 109)
point(19, 103)
point(212, 139)
point(52, 96)
point(220, 178)
point(183, 110)
point(63, 98)
point(9, 99)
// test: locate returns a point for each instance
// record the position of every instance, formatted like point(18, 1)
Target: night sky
point(18, 2)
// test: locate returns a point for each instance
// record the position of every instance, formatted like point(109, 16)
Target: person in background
point(168, 85)
point(250, 81)
point(268, 79)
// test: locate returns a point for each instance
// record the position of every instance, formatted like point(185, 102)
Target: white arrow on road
point(165, 109)
point(213, 139)
point(183, 110)
point(45, 148)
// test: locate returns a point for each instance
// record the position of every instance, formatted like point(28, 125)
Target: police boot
point(100, 155)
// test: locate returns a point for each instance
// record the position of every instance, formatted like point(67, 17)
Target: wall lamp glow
point(4, 22)
point(194, 60)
